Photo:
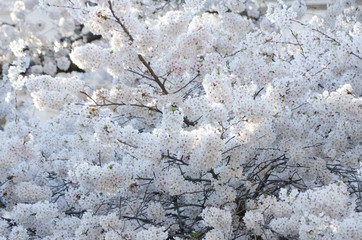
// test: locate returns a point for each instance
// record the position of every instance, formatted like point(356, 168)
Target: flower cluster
point(53, 92)
point(218, 219)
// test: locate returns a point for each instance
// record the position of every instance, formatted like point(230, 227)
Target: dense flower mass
point(172, 120)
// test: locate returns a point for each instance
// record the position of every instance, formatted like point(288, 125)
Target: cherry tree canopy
point(180, 119)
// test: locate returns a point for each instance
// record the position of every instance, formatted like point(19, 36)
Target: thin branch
point(140, 57)
point(142, 75)
point(257, 93)
point(300, 45)
point(89, 97)
point(120, 22)
point(156, 79)
point(327, 36)
point(187, 83)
